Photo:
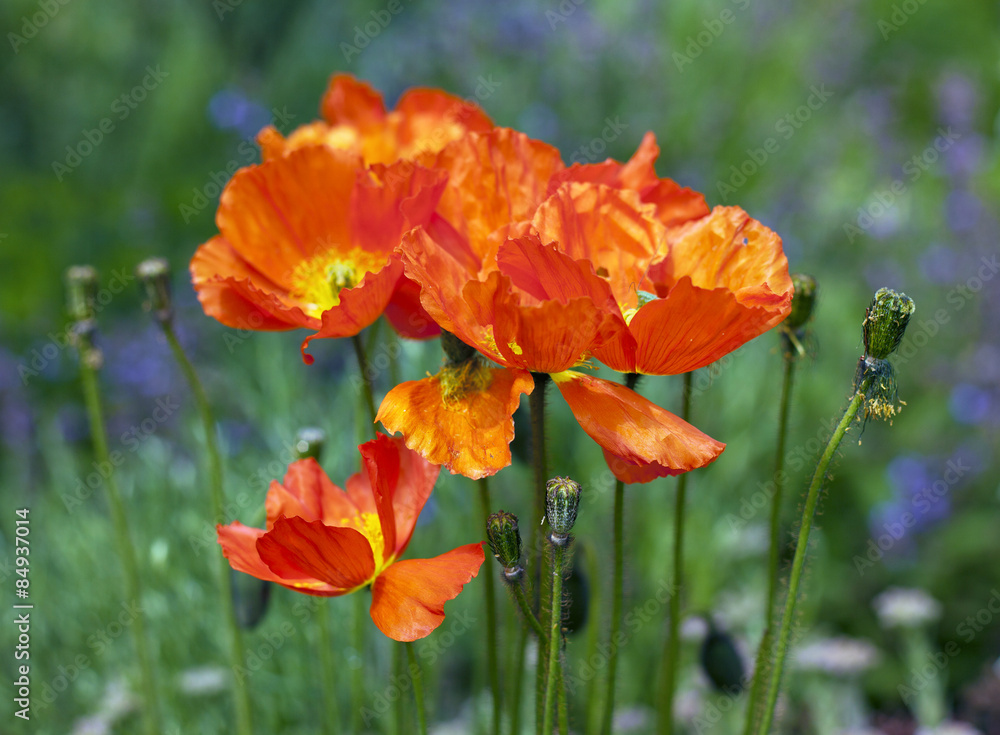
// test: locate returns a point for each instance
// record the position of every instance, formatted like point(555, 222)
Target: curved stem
point(555, 635)
point(418, 688)
point(133, 586)
point(522, 602)
point(764, 652)
point(617, 584)
point(801, 544)
point(491, 616)
point(331, 721)
point(240, 694)
point(672, 652)
point(366, 380)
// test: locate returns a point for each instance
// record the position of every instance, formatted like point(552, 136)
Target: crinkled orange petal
point(416, 481)
point(609, 227)
point(392, 200)
point(359, 307)
point(296, 549)
point(495, 179)
point(406, 314)
point(348, 101)
point(408, 598)
point(468, 435)
point(430, 119)
point(308, 493)
point(637, 474)
point(380, 459)
point(674, 204)
point(633, 428)
point(236, 294)
point(547, 338)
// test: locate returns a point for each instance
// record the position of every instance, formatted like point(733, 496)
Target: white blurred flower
point(203, 680)
point(903, 607)
point(693, 628)
point(949, 728)
point(841, 656)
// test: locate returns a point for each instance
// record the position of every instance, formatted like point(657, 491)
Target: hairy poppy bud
point(562, 499)
point(309, 442)
point(81, 292)
point(456, 350)
point(885, 322)
point(154, 275)
point(722, 661)
point(505, 542)
point(803, 301)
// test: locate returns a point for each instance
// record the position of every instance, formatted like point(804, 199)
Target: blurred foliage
point(717, 83)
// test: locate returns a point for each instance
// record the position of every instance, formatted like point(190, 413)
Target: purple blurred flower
point(962, 209)
point(957, 99)
point(229, 109)
point(939, 264)
point(970, 404)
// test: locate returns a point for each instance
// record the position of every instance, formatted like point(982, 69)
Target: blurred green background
point(866, 134)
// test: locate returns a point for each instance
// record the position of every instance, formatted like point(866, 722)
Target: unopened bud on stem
point(505, 542)
point(562, 499)
point(309, 443)
point(803, 301)
point(81, 292)
point(154, 274)
point(885, 322)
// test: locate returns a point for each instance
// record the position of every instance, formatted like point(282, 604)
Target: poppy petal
point(406, 314)
point(348, 101)
point(416, 481)
point(633, 428)
point(298, 549)
point(637, 474)
point(380, 459)
point(408, 597)
point(239, 546)
point(308, 493)
point(469, 434)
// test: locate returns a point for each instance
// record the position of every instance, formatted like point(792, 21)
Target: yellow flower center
point(317, 282)
point(458, 381)
point(369, 526)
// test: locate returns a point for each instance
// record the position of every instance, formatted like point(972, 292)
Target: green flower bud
point(803, 301)
point(562, 499)
point(885, 322)
point(505, 542)
point(309, 443)
point(154, 275)
point(81, 292)
point(721, 660)
point(455, 349)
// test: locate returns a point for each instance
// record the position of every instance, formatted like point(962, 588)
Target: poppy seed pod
point(81, 292)
point(803, 301)
point(154, 275)
point(505, 542)
point(885, 322)
point(562, 499)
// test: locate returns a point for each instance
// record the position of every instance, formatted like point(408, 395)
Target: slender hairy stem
point(331, 720)
point(668, 680)
point(555, 635)
point(798, 563)
point(764, 652)
point(491, 616)
point(241, 696)
point(618, 584)
point(561, 708)
point(592, 696)
point(538, 563)
point(358, 619)
point(515, 705)
point(418, 688)
point(522, 602)
point(366, 378)
point(133, 586)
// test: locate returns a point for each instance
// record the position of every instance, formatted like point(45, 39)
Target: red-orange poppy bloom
point(510, 278)
point(355, 119)
point(308, 239)
point(326, 541)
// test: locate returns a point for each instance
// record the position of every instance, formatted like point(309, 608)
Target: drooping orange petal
point(673, 203)
point(633, 428)
point(416, 481)
point(408, 597)
point(637, 474)
point(469, 434)
point(308, 493)
point(239, 546)
point(380, 459)
point(406, 314)
point(298, 549)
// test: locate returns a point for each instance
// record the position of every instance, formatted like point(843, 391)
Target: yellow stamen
point(317, 282)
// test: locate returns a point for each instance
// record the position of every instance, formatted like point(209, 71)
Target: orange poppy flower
point(325, 541)
point(307, 240)
point(355, 119)
point(498, 281)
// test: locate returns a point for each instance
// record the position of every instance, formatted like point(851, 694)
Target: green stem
point(522, 602)
point(561, 708)
point(798, 563)
point(366, 380)
point(555, 635)
point(617, 584)
point(418, 688)
point(491, 616)
point(538, 458)
point(764, 652)
point(515, 707)
point(332, 719)
point(592, 697)
point(241, 696)
point(358, 672)
point(672, 652)
point(133, 586)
